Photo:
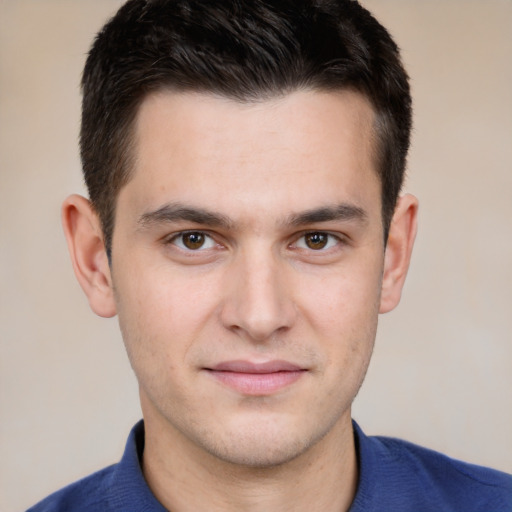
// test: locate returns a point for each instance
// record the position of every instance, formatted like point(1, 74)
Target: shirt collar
point(129, 490)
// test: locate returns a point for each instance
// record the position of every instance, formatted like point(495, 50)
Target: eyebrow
point(173, 212)
point(340, 212)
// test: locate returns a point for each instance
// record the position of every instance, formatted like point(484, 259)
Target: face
point(247, 269)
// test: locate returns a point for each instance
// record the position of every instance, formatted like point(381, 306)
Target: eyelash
point(179, 236)
point(331, 242)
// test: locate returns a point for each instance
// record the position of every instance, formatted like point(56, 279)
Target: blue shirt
point(394, 476)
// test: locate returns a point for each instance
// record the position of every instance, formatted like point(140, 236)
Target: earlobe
point(87, 250)
point(401, 237)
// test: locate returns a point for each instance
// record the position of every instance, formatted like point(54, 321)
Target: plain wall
point(442, 369)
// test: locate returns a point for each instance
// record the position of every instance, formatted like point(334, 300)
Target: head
point(245, 51)
point(244, 162)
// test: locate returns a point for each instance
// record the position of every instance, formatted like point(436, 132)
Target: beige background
point(442, 371)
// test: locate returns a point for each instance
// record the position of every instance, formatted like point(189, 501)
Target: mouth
point(256, 379)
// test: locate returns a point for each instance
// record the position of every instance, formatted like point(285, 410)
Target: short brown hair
point(244, 50)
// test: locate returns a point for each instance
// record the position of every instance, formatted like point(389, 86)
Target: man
point(244, 162)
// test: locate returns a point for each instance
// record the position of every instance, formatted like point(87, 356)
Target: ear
point(402, 233)
point(84, 236)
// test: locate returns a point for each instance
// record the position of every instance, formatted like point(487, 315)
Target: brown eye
point(193, 240)
point(316, 241)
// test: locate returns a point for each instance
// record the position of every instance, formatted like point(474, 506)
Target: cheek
point(164, 298)
point(342, 300)
point(343, 310)
point(160, 315)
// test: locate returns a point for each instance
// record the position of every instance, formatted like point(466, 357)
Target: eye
point(193, 241)
point(317, 241)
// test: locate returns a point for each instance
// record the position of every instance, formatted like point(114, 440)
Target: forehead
point(190, 145)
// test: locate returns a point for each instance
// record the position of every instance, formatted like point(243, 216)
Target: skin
point(253, 233)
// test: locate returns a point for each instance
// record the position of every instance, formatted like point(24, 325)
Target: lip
point(255, 379)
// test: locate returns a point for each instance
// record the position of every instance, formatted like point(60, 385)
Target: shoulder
point(88, 494)
point(456, 478)
point(411, 477)
point(117, 488)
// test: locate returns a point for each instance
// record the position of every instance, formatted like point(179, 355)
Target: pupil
point(316, 240)
point(193, 240)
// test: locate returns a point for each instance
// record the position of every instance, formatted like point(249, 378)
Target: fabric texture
point(394, 476)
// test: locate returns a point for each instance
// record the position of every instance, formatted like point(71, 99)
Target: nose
point(258, 303)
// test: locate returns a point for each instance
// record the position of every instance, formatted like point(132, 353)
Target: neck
point(185, 478)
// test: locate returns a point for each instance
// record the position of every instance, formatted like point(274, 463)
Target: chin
point(261, 446)
point(259, 455)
